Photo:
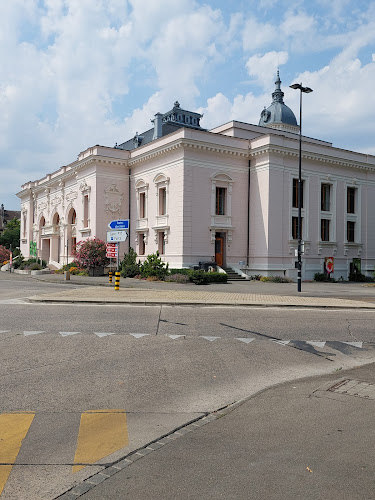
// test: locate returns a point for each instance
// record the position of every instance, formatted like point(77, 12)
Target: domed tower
point(278, 115)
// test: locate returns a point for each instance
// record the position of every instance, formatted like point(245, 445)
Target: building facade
point(228, 195)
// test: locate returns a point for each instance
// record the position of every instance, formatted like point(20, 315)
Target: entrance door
point(219, 250)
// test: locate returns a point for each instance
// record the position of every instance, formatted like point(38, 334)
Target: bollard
point(110, 276)
point(117, 280)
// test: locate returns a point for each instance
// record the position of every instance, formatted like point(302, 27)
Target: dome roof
point(278, 113)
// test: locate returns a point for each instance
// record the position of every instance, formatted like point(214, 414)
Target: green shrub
point(26, 264)
point(199, 277)
point(153, 266)
point(214, 277)
point(35, 267)
point(129, 266)
point(359, 277)
point(276, 279)
point(180, 271)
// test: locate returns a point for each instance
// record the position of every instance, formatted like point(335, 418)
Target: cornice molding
point(306, 155)
point(188, 143)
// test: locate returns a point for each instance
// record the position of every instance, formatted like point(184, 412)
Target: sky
point(75, 73)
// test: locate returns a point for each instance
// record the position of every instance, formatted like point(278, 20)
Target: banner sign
point(33, 249)
point(328, 262)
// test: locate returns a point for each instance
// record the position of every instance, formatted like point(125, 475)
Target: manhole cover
point(354, 388)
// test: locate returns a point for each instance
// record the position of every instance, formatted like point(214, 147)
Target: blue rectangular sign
point(119, 224)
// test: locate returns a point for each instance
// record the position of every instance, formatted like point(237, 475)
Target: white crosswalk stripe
point(315, 343)
point(4, 331)
point(355, 344)
point(104, 334)
point(210, 339)
point(281, 342)
point(139, 335)
point(174, 337)
point(245, 341)
point(32, 332)
point(66, 334)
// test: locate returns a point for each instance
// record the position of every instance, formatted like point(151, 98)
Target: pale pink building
point(227, 195)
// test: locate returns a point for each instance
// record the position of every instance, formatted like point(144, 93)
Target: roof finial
point(278, 94)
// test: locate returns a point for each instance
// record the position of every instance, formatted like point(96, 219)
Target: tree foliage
point(11, 234)
point(90, 253)
point(130, 267)
point(153, 266)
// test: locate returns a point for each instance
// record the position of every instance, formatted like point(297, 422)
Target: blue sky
point(76, 73)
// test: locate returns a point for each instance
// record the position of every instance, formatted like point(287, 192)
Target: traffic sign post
point(114, 236)
point(111, 250)
point(119, 224)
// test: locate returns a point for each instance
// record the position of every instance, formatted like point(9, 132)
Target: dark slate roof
point(278, 112)
point(7, 215)
point(171, 121)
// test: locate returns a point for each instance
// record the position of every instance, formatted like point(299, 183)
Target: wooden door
point(219, 249)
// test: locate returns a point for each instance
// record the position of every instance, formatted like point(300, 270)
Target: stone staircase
point(232, 275)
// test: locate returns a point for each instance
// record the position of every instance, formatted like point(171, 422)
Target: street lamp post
point(306, 90)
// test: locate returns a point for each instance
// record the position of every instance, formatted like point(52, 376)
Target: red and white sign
point(329, 264)
point(112, 250)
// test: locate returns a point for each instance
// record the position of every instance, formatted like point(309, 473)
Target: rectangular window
point(161, 246)
point(325, 198)
point(295, 227)
point(142, 205)
point(350, 200)
point(295, 193)
point(141, 239)
point(86, 211)
point(324, 229)
point(220, 200)
point(350, 230)
point(162, 201)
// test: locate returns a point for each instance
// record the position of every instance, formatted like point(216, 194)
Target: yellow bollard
point(117, 280)
point(110, 276)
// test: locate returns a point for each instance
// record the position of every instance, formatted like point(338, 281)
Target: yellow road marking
point(101, 432)
point(13, 430)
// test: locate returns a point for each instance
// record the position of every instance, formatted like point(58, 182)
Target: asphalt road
point(162, 366)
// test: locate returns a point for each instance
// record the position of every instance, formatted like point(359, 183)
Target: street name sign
point(113, 236)
point(119, 224)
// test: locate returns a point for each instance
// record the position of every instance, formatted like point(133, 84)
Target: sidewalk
point(249, 293)
point(310, 439)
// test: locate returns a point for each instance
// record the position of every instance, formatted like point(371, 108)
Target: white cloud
point(263, 67)
point(257, 34)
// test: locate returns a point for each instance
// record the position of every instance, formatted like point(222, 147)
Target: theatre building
point(227, 195)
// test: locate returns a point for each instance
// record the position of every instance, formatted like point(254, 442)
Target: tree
point(154, 266)
point(90, 253)
point(11, 234)
point(130, 267)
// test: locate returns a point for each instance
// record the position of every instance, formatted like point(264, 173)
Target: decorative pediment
point(221, 176)
point(141, 184)
point(159, 178)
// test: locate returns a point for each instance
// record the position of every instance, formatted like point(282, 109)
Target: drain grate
point(354, 388)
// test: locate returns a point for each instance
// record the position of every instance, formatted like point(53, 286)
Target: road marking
point(65, 334)
point(139, 335)
point(104, 334)
point(101, 432)
point(246, 341)
point(210, 339)
point(32, 333)
point(174, 337)
point(281, 342)
point(13, 430)
point(4, 331)
point(355, 344)
point(315, 343)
